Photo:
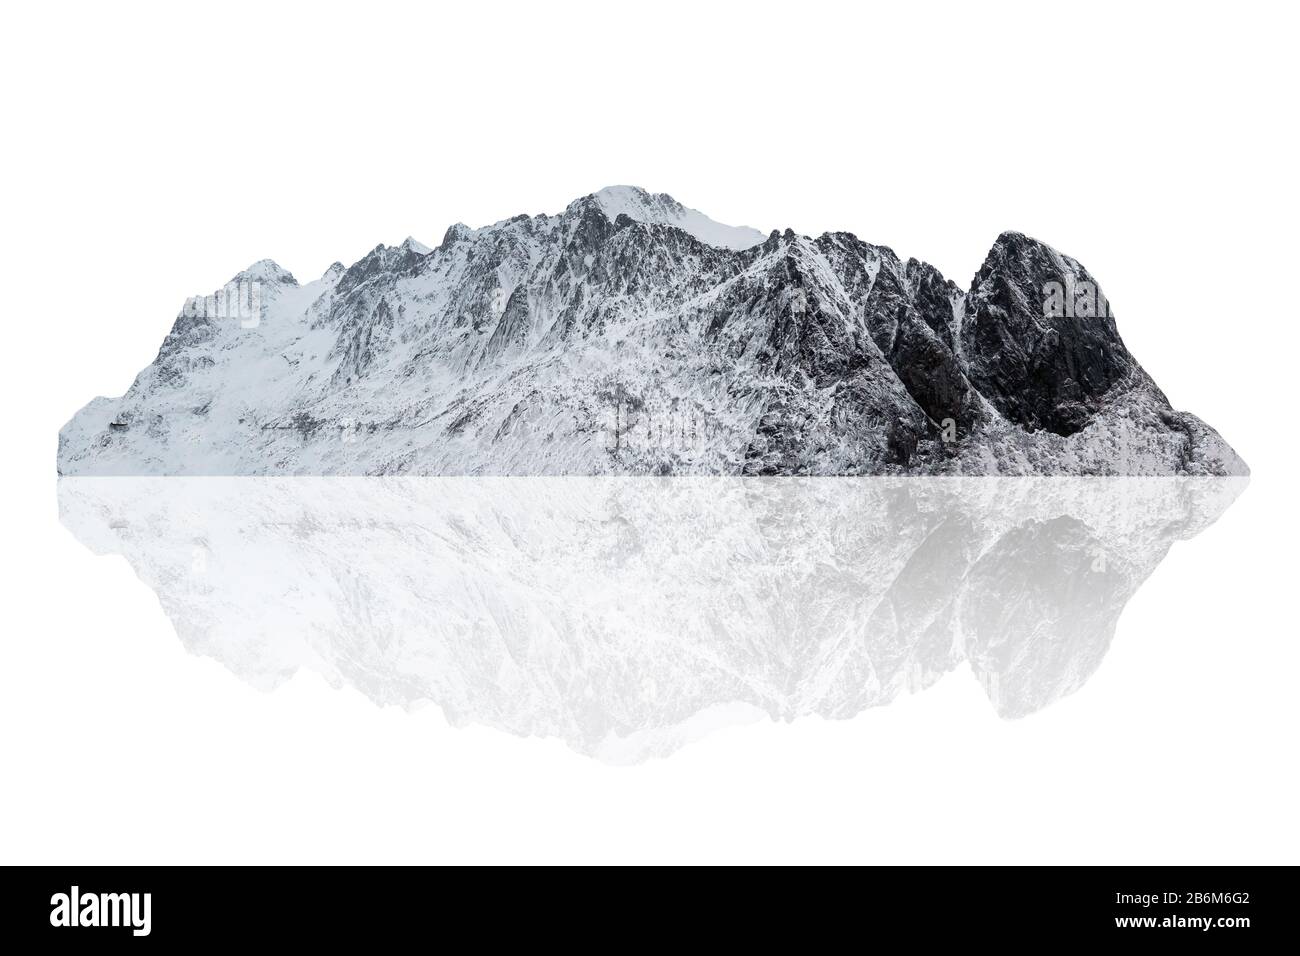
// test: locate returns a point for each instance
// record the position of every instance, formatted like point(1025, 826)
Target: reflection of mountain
point(627, 614)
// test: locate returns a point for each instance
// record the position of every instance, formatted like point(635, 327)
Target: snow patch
point(660, 208)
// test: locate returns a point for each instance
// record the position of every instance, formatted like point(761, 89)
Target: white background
point(151, 152)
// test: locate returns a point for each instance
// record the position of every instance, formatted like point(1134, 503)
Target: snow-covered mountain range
point(632, 335)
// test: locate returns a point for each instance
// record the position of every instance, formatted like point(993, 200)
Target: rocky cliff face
point(631, 335)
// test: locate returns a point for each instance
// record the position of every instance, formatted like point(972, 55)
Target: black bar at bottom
point(145, 906)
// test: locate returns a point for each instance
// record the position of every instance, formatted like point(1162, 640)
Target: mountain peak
point(1020, 253)
point(456, 232)
point(411, 244)
point(627, 199)
point(267, 270)
point(662, 209)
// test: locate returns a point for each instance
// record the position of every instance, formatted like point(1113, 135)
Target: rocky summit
point(632, 335)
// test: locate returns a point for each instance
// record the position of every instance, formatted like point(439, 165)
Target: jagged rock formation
point(630, 335)
point(626, 616)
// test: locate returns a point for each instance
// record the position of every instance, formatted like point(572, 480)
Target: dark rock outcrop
point(519, 348)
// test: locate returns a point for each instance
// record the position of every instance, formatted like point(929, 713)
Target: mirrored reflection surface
point(628, 616)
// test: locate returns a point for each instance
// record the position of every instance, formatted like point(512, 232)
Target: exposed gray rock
point(631, 335)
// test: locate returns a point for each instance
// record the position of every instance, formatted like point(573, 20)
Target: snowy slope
point(631, 335)
point(664, 210)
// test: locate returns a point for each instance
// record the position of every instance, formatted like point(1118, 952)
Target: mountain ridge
point(597, 342)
